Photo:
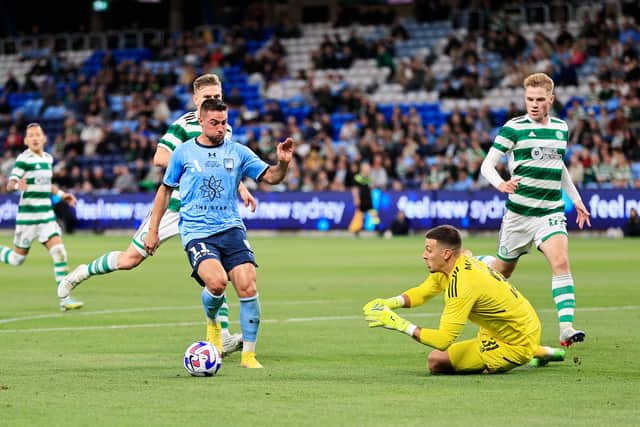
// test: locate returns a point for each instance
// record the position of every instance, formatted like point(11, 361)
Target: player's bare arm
point(161, 157)
point(276, 173)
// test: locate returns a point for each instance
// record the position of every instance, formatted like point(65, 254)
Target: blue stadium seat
point(54, 112)
point(612, 105)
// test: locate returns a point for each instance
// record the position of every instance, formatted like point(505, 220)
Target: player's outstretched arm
point(276, 173)
point(160, 204)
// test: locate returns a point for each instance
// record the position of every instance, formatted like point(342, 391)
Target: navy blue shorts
point(230, 247)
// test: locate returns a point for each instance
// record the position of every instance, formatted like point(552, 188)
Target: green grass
point(118, 361)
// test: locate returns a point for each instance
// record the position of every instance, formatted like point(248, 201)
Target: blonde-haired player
point(32, 175)
point(535, 144)
point(509, 334)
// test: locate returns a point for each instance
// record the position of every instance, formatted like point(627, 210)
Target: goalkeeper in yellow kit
point(509, 334)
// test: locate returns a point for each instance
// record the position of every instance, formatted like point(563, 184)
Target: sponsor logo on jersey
point(539, 153)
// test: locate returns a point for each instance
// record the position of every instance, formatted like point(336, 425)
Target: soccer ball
point(202, 359)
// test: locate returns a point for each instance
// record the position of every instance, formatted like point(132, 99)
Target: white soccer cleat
point(71, 280)
point(569, 336)
point(231, 344)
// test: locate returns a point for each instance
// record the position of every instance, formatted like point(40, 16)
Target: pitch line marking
point(140, 310)
point(289, 320)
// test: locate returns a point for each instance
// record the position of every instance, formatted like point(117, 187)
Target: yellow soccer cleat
point(214, 335)
point(249, 360)
point(69, 303)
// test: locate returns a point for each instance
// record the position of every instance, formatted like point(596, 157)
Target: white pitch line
point(289, 320)
point(143, 310)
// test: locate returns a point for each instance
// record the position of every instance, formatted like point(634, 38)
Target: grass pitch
point(118, 361)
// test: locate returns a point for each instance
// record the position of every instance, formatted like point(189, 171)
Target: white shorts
point(517, 232)
point(168, 229)
point(26, 234)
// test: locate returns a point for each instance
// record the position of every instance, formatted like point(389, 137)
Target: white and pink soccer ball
point(202, 359)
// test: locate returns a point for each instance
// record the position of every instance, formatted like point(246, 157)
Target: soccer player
point(362, 200)
point(509, 334)
point(535, 144)
point(207, 86)
point(35, 220)
point(208, 169)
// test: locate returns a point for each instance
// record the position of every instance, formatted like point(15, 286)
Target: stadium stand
point(421, 99)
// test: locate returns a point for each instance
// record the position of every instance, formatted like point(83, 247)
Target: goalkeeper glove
point(380, 315)
point(392, 303)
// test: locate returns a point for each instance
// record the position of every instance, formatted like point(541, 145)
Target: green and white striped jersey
point(180, 131)
point(35, 202)
point(536, 154)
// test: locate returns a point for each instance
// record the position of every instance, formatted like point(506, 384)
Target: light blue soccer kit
point(210, 223)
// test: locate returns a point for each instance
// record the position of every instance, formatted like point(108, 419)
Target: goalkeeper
point(509, 334)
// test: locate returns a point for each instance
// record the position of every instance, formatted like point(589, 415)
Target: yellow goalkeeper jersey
point(475, 292)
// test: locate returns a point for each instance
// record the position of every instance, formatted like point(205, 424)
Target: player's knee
point(216, 287)
point(58, 253)
point(247, 289)
point(213, 282)
point(560, 264)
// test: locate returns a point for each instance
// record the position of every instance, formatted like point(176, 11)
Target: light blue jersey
point(208, 178)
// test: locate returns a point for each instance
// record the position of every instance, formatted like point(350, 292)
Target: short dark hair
point(212, 104)
point(447, 235)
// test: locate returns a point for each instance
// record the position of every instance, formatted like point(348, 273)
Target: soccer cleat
point(69, 303)
point(249, 360)
point(231, 343)
point(214, 335)
point(569, 336)
point(557, 356)
point(73, 279)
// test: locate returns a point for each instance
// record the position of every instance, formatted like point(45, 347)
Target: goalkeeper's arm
point(380, 315)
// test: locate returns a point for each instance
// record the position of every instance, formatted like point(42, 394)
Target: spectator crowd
point(94, 152)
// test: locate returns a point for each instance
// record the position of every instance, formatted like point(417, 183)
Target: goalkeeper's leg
point(440, 363)
point(460, 358)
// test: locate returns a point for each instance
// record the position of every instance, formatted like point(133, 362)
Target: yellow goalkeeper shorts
point(486, 352)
